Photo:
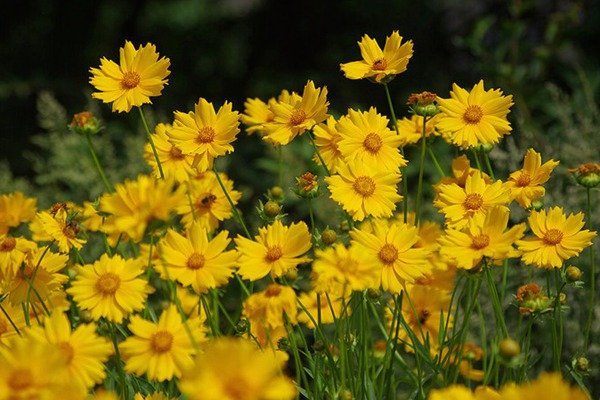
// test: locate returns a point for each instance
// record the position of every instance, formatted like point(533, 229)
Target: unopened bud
point(291, 275)
point(272, 208)
point(573, 273)
point(509, 348)
point(536, 205)
point(276, 192)
point(329, 236)
point(582, 364)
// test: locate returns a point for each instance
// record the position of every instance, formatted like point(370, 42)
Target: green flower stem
point(496, 302)
point(97, 163)
point(421, 170)
point(435, 161)
point(113, 335)
point(592, 305)
point(476, 156)
point(489, 166)
point(236, 214)
point(555, 346)
point(8, 317)
point(312, 141)
point(311, 214)
point(280, 162)
point(160, 170)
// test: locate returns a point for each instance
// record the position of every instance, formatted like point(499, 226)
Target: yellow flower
point(135, 204)
point(173, 162)
point(138, 76)
point(380, 64)
point(459, 205)
point(15, 208)
point(461, 169)
point(548, 385)
point(391, 243)
point(195, 260)
point(323, 307)
point(557, 238)
point(12, 321)
point(410, 130)
point(460, 392)
point(488, 238)
point(209, 202)
point(363, 190)
point(153, 396)
point(327, 139)
point(366, 138)
point(204, 133)
point(265, 310)
point(235, 369)
point(84, 351)
point(475, 117)
point(297, 115)
point(63, 229)
point(161, 350)
point(525, 184)
point(13, 251)
point(110, 287)
point(275, 250)
point(256, 114)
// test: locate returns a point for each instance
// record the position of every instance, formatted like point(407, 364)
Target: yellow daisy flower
point(256, 114)
point(459, 205)
point(275, 250)
point(488, 239)
point(235, 369)
point(460, 392)
point(12, 321)
point(410, 130)
point(110, 287)
point(135, 204)
point(209, 202)
point(195, 260)
point(297, 115)
point(15, 209)
point(63, 229)
point(461, 169)
point(204, 133)
point(164, 349)
point(362, 190)
point(557, 238)
point(380, 65)
point(327, 139)
point(366, 138)
point(391, 243)
point(153, 396)
point(139, 75)
point(525, 184)
point(548, 385)
point(13, 251)
point(84, 350)
point(173, 162)
point(475, 117)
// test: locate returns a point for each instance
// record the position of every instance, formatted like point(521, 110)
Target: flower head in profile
point(548, 385)
point(326, 140)
point(164, 349)
point(377, 64)
point(364, 190)
point(139, 75)
point(475, 117)
point(461, 169)
point(366, 138)
point(295, 115)
point(13, 251)
point(587, 175)
point(193, 259)
point(256, 115)
point(525, 184)
point(410, 130)
point(557, 237)
point(531, 299)
point(461, 392)
point(275, 250)
point(236, 369)
point(174, 163)
point(110, 287)
point(15, 209)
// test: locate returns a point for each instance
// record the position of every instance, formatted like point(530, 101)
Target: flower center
point(274, 253)
point(27, 271)
point(473, 115)
point(161, 341)
point(195, 261)
point(176, 153)
point(70, 230)
point(388, 254)
point(473, 201)
point(372, 143)
point(108, 283)
point(130, 80)
point(67, 350)
point(8, 244)
point(20, 379)
point(424, 316)
point(298, 116)
point(273, 291)
point(364, 185)
point(206, 134)
point(380, 64)
point(553, 236)
point(480, 241)
point(524, 180)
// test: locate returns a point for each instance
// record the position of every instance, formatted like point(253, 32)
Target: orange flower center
point(473, 115)
point(108, 283)
point(70, 230)
point(388, 254)
point(364, 185)
point(206, 134)
point(524, 180)
point(176, 153)
point(3, 326)
point(298, 116)
point(480, 241)
point(424, 316)
point(195, 261)
point(380, 64)
point(473, 201)
point(67, 350)
point(20, 379)
point(273, 291)
point(553, 236)
point(8, 244)
point(372, 143)
point(161, 341)
point(130, 80)
point(274, 253)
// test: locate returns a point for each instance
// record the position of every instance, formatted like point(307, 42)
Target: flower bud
point(509, 348)
point(423, 104)
point(276, 192)
point(242, 326)
point(329, 236)
point(573, 273)
point(536, 205)
point(272, 208)
point(485, 148)
point(373, 294)
point(308, 186)
point(587, 175)
point(345, 394)
point(84, 123)
point(582, 364)
point(291, 275)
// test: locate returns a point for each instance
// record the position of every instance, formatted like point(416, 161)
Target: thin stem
point(97, 163)
point(489, 166)
point(121, 371)
point(280, 161)
point(236, 214)
point(421, 170)
point(435, 161)
point(496, 303)
point(312, 141)
point(592, 276)
point(160, 170)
